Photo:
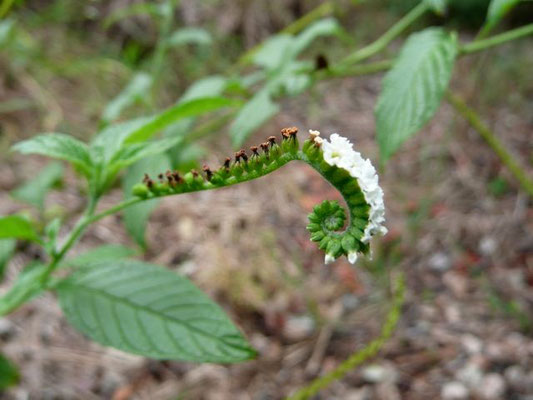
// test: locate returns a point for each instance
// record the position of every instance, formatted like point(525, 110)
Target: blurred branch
point(323, 10)
point(362, 355)
point(382, 42)
point(507, 158)
point(496, 40)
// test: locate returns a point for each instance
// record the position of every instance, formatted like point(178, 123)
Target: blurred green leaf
point(190, 108)
point(60, 146)
point(254, 114)
point(7, 28)
point(132, 153)
point(274, 52)
point(185, 157)
point(148, 310)
point(131, 11)
point(18, 227)
point(206, 87)
point(9, 374)
point(29, 283)
point(189, 35)
point(105, 253)
point(132, 93)
point(7, 248)
point(413, 88)
point(323, 27)
point(34, 191)
point(438, 6)
point(136, 216)
point(497, 10)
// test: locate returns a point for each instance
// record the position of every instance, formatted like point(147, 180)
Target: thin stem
point(387, 37)
point(496, 40)
point(507, 158)
point(362, 355)
point(356, 70)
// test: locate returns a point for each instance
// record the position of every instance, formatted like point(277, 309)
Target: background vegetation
point(460, 218)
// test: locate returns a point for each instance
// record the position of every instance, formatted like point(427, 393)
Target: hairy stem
point(505, 156)
point(360, 356)
point(383, 41)
point(496, 40)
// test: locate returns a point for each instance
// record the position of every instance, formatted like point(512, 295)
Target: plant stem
point(507, 158)
point(382, 42)
point(496, 40)
point(370, 350)
point(356, 70)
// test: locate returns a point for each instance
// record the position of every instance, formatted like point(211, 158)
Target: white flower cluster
point(339, 152)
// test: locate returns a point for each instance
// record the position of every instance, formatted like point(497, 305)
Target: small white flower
point(313, 134)
point(340, 153)
point(318, 140)
point(352, 257)
point(329, 259)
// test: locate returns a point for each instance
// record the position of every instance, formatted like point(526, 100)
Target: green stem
point(507, 158)
point(387, 37)
point(496, 40)
point(356, 70)
point(370, 350)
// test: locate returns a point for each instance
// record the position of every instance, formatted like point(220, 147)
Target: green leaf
point(438, 6)
point(136, 216)
point(190, 108)
point(18, 227)
point(255, 113)
point(60, 146)
point(132, 153)
point(497, 10)
point(209, 86)
point(148, 310)
point(9, 374)
point(7, 30)
point(132, 93)
point(7, 248)
point(29, 284)
point(413, 88)
point(274, 52)
point(105, 253)
point(34, 191)
point(323, 27)
point(189, 35)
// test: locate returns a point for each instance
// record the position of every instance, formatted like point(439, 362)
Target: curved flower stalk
point(336, 160)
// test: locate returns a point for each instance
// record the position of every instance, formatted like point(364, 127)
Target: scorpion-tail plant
point(153, 312)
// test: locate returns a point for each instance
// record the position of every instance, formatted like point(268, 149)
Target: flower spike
point(354, 176)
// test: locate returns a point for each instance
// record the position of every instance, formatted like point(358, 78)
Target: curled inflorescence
point(336, 160)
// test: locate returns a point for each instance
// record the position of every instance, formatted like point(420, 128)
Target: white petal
point(352, 257)
point(329, 259)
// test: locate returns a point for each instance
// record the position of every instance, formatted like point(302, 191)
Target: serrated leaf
point(9, 375)
point(136, 217)
point(105, 253)
point(497, 10)
point(438, 6)
point(7, 248)
point(413, 88)
point(18, 227)
point(60, 146)
point(34, 191)
point(190, 35)
point(133, 92)
point(27, 285)
point(255, 113)
point(148, 310)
